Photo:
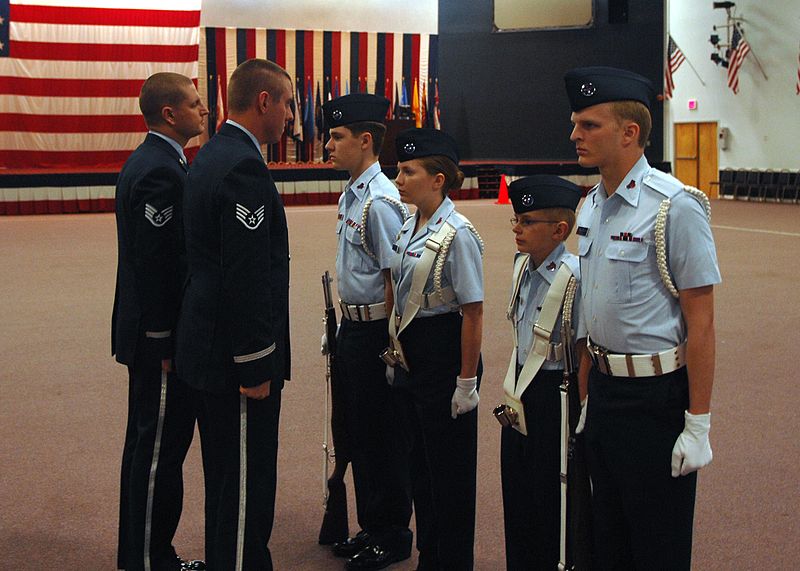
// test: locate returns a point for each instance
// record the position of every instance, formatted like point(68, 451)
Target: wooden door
point(696, 155)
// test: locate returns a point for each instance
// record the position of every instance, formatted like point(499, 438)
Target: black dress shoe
point(352, 545)
point(193, 565)
point(375, 557)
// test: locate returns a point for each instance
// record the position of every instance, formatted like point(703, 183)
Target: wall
point(764, 118)
point(408, 16)
point(503, 93)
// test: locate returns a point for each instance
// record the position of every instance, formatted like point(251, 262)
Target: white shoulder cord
point(660, 235)
point(441, 257)
point(365, 215)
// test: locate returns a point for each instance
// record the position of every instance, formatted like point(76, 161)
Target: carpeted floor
point(63, 398)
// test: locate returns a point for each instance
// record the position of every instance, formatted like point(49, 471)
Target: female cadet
point(437, 277)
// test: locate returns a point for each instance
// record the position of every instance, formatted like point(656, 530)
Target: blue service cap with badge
point(543, 191)
point(417, 143)
point(355, 108)
point(587, 86)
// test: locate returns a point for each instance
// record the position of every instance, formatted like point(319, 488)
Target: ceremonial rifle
point(334, 446)
point(575, 532)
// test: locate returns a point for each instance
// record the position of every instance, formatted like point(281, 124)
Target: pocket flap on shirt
point(626, 251)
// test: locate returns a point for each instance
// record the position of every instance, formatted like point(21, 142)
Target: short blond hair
point(636, 112)
point(163, 89)
point(252, 77)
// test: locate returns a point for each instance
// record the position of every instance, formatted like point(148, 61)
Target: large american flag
point(71, 71)
point(738, 51)
point(675, 58)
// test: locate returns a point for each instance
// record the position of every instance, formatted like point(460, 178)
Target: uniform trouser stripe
point(242, 481)
point(151, 484)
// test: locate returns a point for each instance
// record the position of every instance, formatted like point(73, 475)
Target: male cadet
point(370, 216)
point(233, 332)
point(532, 438)
point(648, 267)
point(150, 273)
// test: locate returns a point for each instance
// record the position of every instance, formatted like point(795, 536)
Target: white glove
point(582, 419)
point(323, 344)
point(692, 449)
point(465, 397)
point(389, 375)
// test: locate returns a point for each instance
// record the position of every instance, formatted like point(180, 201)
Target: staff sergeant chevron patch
point(156, 218)
point(251, 220)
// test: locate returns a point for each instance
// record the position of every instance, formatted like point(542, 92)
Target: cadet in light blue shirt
point(648, 270)
point(530, 450)
point(369, 216)
point(437, 383)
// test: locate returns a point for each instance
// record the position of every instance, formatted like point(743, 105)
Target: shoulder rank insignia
point(156, 218)
point(251, 220)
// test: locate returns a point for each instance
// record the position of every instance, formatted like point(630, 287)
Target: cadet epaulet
point(662, 183)
point(365, 215)
point(468, 225)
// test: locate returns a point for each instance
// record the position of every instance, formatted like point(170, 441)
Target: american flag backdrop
point(738, 51)
point(70, 74)
point(675, 58)
point(324, 63)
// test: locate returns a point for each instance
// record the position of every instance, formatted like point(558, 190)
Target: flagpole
point(758, 63)
point(703, 83)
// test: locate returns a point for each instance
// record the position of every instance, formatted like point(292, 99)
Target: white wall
point(764, 118)
point(406, 16)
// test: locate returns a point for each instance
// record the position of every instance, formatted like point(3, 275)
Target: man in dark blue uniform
point(150, 273)
point(233, 332)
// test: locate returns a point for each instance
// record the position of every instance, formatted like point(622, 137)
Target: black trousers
point(380, 476)
point(642, 515)
point(530, 468)
point(442, 450)
point(239, 438)
point(159, 431)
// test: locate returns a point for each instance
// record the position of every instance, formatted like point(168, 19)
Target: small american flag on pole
point(675, 58)
point(738, 51)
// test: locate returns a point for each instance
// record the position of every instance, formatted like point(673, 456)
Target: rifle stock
point(334, 526)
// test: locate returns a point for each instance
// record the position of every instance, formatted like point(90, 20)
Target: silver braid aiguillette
point(701, 198)
point(365, 216)
point(569, 301)
point(363, 230)
point(661, 247)
point(441, 258)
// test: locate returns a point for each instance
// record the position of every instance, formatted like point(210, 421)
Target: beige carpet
point(63, 399)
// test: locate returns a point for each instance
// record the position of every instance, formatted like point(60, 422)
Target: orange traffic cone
point(502, 193)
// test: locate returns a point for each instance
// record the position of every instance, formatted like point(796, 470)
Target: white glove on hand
point(692, 449)
point(465, 397)
point(390, 375)
point(323, 344)
point(582, 419)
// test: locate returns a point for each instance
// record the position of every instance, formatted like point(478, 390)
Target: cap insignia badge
point(588, 89)
point(527, 200)
point(337, 114)
point(409, 148)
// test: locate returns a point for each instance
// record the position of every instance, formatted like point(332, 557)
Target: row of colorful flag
point(737, 52)
point(324, 65)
